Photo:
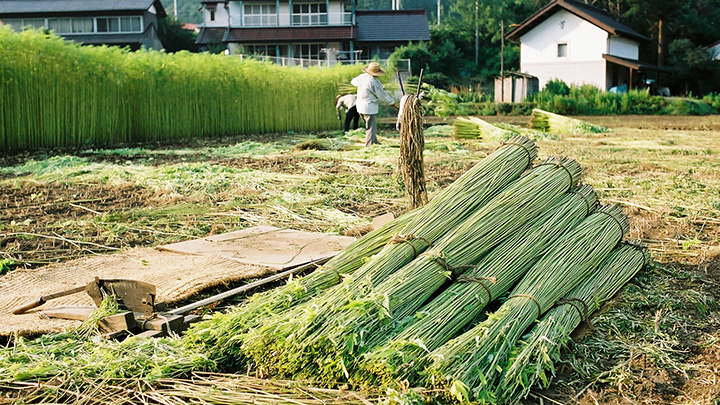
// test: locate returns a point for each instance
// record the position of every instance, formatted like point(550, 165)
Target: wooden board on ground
point(265, 246)
point(177, 276)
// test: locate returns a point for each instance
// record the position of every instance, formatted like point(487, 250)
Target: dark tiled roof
point(72, 6)
point(289, 34)
point(595, 15)
point(392, 26)
point(210, 36)
point(635, 64)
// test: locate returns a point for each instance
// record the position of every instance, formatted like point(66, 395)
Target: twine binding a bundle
point(407, 239)
point(531, 298)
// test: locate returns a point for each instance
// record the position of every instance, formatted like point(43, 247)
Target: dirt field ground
point(657, 342)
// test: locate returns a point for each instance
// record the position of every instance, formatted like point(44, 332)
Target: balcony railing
point(403, 65)
point(297, 20)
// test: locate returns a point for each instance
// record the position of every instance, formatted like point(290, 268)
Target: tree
point(697, 72)
point(174, 37)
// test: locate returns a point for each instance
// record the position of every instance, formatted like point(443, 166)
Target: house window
point(119, 24)
point(307, 51)
point(259, 15)
point(259, 49)
point(129, 24)
point(562, 50)
point(310, 14)
point(212, 15)
point(15, 23)
point(59, 25)
point(33, 22)
point(82, 25)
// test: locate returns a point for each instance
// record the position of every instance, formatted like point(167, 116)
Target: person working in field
point(369, 92)
point(347, 103)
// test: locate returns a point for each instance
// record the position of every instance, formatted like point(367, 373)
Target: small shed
point(515, 87)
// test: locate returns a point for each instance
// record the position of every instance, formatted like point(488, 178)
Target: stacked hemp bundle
point(407, 302)
point(558, 124)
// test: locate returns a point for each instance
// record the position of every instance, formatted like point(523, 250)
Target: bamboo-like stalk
point(472, 362)
point(443, 317)
point(533, 358)
point(442, 214)
point(57, 93)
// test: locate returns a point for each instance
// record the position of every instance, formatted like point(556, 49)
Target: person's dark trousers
point(351, 115)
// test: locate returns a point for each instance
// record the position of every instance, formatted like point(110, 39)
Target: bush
point(418, 54)
point(556, 87)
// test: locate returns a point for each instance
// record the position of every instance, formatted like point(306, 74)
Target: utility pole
point(477, 33)
point(502, 59)
point(175, 7)
point(438, 12)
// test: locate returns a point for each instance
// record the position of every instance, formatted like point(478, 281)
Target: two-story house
point(309, 29)
point(581, 44)
point(130, 23)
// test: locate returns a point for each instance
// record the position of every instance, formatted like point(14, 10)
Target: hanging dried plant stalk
point(412, 143)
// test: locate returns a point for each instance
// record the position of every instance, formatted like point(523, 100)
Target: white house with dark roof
point(309, 29)
point(130, 23)
point(581, 44)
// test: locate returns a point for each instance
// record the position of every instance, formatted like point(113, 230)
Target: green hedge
point(56, 93)
point(575, 100)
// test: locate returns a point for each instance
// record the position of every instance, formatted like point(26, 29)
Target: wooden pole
point(502, 60)
point(246, 287)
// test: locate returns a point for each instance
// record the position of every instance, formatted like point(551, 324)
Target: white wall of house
point(584, 44)
point(221, 16)
point(623, 47)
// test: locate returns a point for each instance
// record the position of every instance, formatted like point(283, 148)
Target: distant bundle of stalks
point(472, 363)
point(440, 130)
point(533, 358)
point(349, 331)
point(466, 298)
point(218, 336)
point(475, 128)
point(441, 215)
point(412, 143)
point(558, 124)
point(530, 133)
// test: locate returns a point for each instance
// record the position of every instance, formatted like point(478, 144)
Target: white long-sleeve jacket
point(369, 92)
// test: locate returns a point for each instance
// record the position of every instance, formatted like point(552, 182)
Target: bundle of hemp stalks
point(476, 128)
point(441, 215)
point(329, 352)
point(216, 337)
point(558, 124)
point(412, 143)
point(471, 364)
point(533, 358)
point(444, 316)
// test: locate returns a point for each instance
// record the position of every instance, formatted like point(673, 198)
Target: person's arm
point(338, 106)
point(381, 94)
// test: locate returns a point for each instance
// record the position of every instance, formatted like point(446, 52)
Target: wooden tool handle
point(28, 306)
point(46, 298)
